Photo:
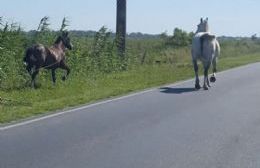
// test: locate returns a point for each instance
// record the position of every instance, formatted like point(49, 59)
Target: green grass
point(24, 103)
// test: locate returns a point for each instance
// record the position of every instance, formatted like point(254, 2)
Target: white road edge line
point(105, 102)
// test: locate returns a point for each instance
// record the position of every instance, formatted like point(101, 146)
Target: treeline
point(91, 33)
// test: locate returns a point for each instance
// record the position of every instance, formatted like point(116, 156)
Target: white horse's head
point(203, 26)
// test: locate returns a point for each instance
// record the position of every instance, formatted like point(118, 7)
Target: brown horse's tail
point(27, 56)
point(27, 59)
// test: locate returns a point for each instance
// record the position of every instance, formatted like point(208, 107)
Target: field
point(97, 71)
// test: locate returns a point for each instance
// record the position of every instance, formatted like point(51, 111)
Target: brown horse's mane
point(58, 40)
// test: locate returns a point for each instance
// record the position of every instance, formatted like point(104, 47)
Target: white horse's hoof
point(197, 86)
point(212, 79)
point(205, 87)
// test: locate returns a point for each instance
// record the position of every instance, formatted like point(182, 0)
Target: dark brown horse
point(38, 56)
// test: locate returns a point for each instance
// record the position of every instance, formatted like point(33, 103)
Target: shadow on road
point(176, 90)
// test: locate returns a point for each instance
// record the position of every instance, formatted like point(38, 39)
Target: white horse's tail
point(217, 48)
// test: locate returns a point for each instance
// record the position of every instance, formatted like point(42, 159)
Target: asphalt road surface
point(169, 127)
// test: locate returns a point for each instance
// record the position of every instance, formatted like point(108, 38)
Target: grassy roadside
point(24, 103)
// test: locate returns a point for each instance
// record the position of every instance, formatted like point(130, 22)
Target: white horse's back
point(196, 45)
point(202, 44)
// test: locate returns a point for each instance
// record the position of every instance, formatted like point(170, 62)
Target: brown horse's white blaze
point(38, 56)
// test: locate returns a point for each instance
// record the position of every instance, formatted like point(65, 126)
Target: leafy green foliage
point(103, 57)
point(180, 38)
point(11, 46)
point(65, 23)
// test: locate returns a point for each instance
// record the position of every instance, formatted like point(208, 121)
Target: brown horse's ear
point(201, 20)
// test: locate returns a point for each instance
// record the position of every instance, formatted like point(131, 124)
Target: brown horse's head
point(65, 40)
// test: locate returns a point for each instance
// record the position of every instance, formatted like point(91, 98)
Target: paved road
point(170, 127)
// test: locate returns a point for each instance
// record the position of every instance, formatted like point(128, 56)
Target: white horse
point(205, 47)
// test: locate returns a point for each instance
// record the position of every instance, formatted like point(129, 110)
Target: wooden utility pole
point(121, 27)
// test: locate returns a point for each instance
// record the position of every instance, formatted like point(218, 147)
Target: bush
point(180, 38)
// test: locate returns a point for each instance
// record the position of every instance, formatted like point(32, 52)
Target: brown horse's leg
point(29, 69)
point(34, 74)
point(53, 76)
point(65, 67)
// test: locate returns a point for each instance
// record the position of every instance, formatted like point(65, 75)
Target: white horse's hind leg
point(214, 69)
point(206, 84)
point(196, 69)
